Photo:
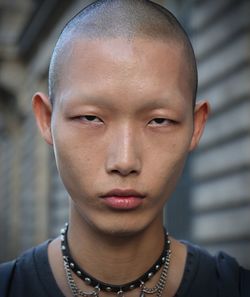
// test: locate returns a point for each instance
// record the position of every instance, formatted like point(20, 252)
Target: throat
point(157, 269)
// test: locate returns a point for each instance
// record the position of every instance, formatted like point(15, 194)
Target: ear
point(43, 110)
point(201, 112)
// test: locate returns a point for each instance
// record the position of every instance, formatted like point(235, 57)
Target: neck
point(109, 257)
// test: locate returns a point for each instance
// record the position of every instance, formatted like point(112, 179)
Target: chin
point(117, 223)
point(121, 231)
point(126, 225)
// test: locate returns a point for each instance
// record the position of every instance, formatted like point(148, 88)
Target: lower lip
point(125, 203)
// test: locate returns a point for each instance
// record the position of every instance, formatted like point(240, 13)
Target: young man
point(121, 117)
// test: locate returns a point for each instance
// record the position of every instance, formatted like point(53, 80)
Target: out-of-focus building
point(212, 203)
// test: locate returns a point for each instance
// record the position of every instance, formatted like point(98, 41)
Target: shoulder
point(6, 273)
point(219, 273)
point(233, 276)
point(27, 261)
point(21, 274)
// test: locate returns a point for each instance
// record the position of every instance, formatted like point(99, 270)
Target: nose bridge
point(123, 155)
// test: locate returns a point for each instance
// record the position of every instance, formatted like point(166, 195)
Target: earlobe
point(42, 109)
point(201, 113)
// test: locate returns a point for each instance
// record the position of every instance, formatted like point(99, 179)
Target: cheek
point(75, 161)
point(71, 146)
point(167, 163)
point(169, 170)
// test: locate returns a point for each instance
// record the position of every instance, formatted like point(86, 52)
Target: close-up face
point(122, 127)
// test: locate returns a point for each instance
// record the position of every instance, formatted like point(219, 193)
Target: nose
point(123, 156)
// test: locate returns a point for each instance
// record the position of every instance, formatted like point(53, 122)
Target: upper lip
point(123, 193)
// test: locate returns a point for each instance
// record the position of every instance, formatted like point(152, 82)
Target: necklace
point(70, 265)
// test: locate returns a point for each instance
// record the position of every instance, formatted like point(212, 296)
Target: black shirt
point(204, 276)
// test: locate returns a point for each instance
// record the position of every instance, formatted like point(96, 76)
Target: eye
point(160, 122)
point(89, 119)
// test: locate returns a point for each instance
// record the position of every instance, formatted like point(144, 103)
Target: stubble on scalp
point(128, 19)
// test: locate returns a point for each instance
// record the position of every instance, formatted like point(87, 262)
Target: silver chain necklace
point(157, 289)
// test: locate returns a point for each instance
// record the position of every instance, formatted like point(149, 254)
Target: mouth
point(123, 199)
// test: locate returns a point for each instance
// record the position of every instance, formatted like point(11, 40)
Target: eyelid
point(91, 116)
point(84, 118)
point(166, 121)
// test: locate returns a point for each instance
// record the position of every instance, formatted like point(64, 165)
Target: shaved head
point(127, 19)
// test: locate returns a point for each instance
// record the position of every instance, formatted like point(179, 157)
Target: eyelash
point(94, 119)
point(163, 122)
point(89, 118)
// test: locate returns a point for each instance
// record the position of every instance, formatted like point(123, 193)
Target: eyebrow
point(160, 103)
point(104, 102)
point(86, 99)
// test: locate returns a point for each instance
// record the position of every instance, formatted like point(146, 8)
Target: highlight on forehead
point(121, 19)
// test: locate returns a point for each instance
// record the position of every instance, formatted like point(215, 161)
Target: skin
point(142, 129)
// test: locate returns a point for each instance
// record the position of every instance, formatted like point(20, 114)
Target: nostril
point(124, 172)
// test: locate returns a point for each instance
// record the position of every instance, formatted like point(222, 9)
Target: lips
point(123, 199)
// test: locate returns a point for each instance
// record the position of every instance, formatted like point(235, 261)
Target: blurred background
point(211, 205)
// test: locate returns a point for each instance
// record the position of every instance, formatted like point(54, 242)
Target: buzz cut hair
point(128, 19)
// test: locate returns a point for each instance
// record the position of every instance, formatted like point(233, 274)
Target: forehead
point(124, 69)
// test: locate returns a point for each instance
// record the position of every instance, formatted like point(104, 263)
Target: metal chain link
point(72, 285)
point(158, 288)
